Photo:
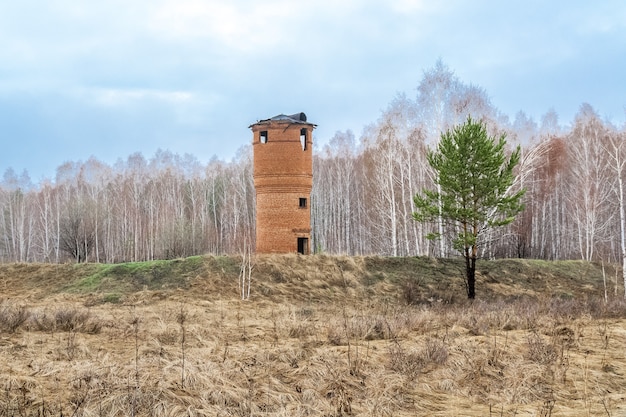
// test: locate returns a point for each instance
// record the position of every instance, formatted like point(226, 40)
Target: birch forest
point(168, 206)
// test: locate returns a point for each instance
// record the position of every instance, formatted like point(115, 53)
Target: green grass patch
point(226, 267)
point(137, 276)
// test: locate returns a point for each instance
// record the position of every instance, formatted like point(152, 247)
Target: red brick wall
point(283, 173)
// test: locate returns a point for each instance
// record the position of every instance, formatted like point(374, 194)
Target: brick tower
point(283, 177)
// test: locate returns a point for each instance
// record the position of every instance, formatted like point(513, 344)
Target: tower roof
point(298, 118)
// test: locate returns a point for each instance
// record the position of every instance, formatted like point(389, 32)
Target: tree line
point(172, 206)
point(162, 208)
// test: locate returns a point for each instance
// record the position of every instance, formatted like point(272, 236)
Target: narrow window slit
point(303, 138)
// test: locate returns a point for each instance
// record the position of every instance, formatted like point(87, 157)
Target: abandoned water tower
point(283, 177)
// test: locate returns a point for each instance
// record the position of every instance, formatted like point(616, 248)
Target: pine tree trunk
point(470, 273)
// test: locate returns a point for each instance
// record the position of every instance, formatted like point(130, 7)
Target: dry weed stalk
point(181, 318)
point(245, 272)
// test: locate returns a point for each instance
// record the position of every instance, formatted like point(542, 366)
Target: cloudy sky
point(112, 77)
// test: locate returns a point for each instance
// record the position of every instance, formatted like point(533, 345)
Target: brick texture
point(283, 175)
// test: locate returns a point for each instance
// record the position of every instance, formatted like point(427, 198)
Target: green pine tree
point(474, 178)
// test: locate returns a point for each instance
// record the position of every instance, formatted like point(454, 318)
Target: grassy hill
point(319, 277)
point(319, 336)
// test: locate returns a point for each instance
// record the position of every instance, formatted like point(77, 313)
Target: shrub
point(74, 320)
point(539, 351)
point(12, 317)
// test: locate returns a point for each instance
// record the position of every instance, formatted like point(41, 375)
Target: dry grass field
point(319, 336)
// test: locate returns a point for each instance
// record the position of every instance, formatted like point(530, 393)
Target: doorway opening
point(303, 245)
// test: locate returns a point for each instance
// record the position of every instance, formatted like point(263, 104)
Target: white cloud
point(238, 26)
point(185, 107)
point(413, 6)
point(121, 97)
point(209, 67)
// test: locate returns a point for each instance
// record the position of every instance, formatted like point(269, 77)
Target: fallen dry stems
point(236, 358)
